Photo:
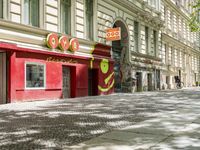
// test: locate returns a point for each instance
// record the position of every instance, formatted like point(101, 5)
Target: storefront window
point(35, 75)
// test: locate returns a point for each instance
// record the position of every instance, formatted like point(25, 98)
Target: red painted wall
point(79, 78)
point(82, 80)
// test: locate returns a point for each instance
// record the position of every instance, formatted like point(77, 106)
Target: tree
point(195, 16)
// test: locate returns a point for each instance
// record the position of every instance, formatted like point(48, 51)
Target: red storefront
point(35, 74)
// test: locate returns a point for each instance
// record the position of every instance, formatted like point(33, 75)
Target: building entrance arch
point(120, 56)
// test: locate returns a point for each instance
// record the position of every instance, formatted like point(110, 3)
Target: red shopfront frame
point(79, 66)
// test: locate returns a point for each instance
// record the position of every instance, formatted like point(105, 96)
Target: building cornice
point(175, 8)
point(166, 38)
point(140, 10)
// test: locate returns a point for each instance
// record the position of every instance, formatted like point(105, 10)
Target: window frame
point(5, 9)
point(2, 9)
point(63, 29)
point(40, 14)
point(89, 36)
point(156, 42)
point(137, 46)
point(34, 63)
point(147, 39)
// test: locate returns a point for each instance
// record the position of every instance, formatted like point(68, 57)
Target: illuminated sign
point(113, 34)
point(62, 42)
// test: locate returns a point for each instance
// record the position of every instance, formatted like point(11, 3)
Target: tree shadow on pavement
point(57, 124)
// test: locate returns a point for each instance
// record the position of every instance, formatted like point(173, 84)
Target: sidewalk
point(148, 135)
point(174, 130)
point(154, 120)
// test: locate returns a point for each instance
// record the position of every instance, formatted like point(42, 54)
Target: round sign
point(63, 43)
point(52, 40)
point(74, 44)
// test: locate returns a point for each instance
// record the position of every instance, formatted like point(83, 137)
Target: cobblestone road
point(57, 124)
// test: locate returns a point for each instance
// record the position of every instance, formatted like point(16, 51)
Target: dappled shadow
point(57, 124)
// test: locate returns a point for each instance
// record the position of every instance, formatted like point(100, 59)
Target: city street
point(148, 120)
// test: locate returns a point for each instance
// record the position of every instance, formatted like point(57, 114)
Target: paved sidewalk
point(175, 127)
point(152, 120)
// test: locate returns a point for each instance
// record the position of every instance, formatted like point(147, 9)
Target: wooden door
point(66, 82)
point(3, 78)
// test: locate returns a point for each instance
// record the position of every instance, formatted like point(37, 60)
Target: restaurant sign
point(63, 42)
point(113, 34)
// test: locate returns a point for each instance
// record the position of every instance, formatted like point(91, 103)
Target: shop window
point(89, 18)
point(1, 8)
point(65, 18)
point(31, 12)
point(35, 75)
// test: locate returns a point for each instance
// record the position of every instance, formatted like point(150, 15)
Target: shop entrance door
point(2, 78)
point(66, 82)
point(149, 79)
point(139, 81)
point(158, 79)
point(92, 82)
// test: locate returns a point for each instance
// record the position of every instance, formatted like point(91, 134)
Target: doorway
point(149, 80)
point(92, 82)
point(3, 87)
point(66, 82)
point(139, 81)
point(168, 82)
point(158, 80)
point(119, 54)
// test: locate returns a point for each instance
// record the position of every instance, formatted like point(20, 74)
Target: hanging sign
point(113, 34)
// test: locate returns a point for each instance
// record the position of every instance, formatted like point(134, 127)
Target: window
point(175, 57)
point(181, 59)
point(170, 56)
point(89, 18)
point(136, 35)
point(1, 8)
point(65, 17)
point(147, 39)
point(155, 41)
point(35, 75)
point(163, 53)
point(31, 12)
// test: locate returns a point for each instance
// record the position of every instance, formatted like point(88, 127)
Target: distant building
point(180, 48)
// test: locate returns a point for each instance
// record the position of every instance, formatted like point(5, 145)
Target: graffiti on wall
point(108, 81)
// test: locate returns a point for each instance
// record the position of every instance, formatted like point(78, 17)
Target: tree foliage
point(195, 16)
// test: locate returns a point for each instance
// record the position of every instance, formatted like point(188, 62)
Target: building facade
point(48, 51)
point(51, 49)
point(137, 63)
point(180, 47)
